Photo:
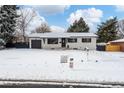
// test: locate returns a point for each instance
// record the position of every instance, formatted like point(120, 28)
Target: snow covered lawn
point(36, 64)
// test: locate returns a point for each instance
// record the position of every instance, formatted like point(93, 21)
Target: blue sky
point(64, 15)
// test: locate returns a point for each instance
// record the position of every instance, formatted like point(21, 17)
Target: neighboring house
point(62, 40)
point(119, 42)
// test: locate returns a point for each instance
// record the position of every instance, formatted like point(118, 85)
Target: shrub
point(2, 43)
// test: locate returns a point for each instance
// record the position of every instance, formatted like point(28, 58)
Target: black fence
point(17, 45)
point(10, 45)
point(100, 47)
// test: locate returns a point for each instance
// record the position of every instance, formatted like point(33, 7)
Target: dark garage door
point(35, 43)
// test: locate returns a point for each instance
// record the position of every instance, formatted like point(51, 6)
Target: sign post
point(71, 64)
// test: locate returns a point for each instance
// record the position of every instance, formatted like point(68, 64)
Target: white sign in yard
point(64, 59)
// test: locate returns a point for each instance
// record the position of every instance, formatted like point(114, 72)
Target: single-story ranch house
point(62, 40)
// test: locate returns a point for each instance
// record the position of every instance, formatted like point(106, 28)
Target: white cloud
point(119, 8)
point(35, 22)
point(91, 16)
point(51, 9)
point(57, 29)
point(110, 17)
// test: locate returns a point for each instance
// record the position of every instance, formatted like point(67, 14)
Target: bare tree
point(26, 16)
point(121, 28)
point(43, 28)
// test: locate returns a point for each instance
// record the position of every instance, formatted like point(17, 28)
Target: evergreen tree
point(8, 15)
point(107, 31)
point(79, 26)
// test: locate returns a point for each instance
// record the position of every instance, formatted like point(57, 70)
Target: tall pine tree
point(8, 15)
point(107, 31)
point(79, 26)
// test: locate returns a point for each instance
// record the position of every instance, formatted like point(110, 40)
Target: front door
point(63, 42)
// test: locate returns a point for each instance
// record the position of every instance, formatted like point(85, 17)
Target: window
point(52, 41)
point(87, 40)
point(72, 40)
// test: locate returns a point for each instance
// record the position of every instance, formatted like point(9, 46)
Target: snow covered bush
point(2, 43)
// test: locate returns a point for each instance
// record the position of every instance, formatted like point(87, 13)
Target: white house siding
point(44, 43)
point(78, 45)
point(48, 46)
point(81, 45)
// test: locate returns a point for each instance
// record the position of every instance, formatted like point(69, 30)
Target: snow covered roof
point(119, 40)
point(61, 35)
point(101, 43)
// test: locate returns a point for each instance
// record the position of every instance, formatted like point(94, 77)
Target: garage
point(36, 44)
point(119, 43)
